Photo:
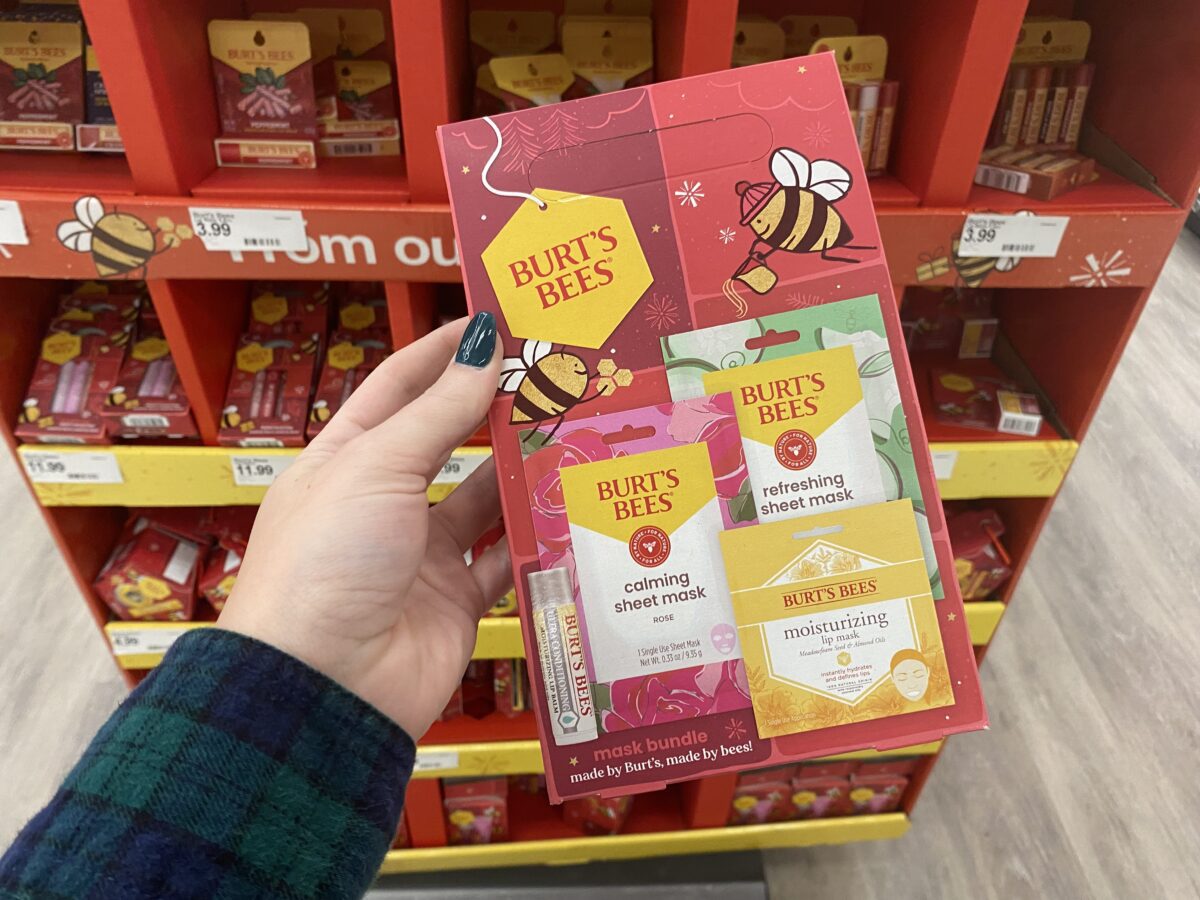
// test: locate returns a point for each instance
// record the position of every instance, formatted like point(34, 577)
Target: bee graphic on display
point(120, 243)
point(230, 417)
point(545, 384)
point(116, 397)
point(972, 270)
point(794, 213)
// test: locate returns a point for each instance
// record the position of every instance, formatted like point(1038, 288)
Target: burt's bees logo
point(862, 587)
point(783, 399)
point(569, 271)
point(634, 496)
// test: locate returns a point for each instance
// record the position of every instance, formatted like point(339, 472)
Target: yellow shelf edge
point(574, 851)
point(982, 618)
point(981, 469)
point(497, 638)
point(193, 476)
point(525, 758)
point(202, 476)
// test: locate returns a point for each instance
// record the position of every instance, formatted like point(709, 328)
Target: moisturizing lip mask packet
point(751, 352)
point(633, 502)
point(835, 619)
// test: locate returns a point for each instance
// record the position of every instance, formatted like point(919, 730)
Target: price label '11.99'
point(258, 471)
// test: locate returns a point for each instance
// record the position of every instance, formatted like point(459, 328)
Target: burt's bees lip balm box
point(835, 618)
point(805, 430)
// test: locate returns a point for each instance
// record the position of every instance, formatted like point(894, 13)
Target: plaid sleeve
point(232, 771)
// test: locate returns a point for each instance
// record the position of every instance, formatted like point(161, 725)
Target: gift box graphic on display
point(688, 265)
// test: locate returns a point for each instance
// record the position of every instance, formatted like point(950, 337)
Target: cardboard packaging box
point(605, 233)
point(151, 576)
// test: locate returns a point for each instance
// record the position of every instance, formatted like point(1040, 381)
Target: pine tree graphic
point(519, 145)
point(560, 130)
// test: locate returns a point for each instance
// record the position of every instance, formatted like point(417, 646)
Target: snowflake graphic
point(735, 730)
point(727, 235)
point(1102, 273)
point(690, 193)
point(661, 313)
point(818, 135)
point(797, 300)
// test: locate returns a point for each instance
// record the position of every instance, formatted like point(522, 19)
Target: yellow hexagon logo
point(61, 347)
point(567, 273)
point(254, 357)
point(150, 349)
point(345, 356)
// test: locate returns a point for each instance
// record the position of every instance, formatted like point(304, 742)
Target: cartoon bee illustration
point(972, 270)
point(117, 396)
point(546, 384)
point(794, 213)
point(119, 242)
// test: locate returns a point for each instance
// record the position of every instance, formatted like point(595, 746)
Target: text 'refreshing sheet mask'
point(805, 431)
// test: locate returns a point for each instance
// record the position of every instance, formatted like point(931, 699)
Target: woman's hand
point(349, 569)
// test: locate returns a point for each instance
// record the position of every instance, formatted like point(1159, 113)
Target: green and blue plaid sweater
point(233, 771)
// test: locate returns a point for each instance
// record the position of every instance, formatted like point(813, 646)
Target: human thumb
point(424, 432)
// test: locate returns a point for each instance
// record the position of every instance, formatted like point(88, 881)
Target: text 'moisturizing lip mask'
point(805, 431)
point(836, 620)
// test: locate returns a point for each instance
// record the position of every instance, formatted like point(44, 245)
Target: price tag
point(943, 464)
point(136, 641)
point(459, 466)
point(12, 224)
point(435, 760)
point(249, 229)
point(1018, 236)
point(258, 471)
point(52, 467)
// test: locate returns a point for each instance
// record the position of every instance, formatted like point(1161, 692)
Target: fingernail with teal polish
point(478, 341)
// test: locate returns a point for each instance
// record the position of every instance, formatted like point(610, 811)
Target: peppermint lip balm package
point(742, 356)
point(700, 340)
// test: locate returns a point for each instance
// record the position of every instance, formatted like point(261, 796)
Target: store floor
point(1085, 785)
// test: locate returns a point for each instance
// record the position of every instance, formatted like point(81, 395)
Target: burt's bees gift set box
point(728, 547)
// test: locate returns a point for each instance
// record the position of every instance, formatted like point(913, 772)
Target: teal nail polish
point(478, 341)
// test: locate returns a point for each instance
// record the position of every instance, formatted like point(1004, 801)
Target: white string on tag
point(541, 204)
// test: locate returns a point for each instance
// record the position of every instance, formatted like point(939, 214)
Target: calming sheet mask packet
point(644, 530)
point(775, 365)
point(632, 504)
point(835, 619)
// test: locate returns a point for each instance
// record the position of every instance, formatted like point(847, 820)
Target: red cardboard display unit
point(615, 232)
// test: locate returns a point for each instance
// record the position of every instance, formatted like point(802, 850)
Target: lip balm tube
point(868, 105)
point(81, 380)
point(270, 397)
point(1056, 104)
point(889, 91)
point(1018, 79)
point(560, 651)
point(58, 402)
point(1035, 107)
point(1080, 82)
point(347, 386)
point(256, 395)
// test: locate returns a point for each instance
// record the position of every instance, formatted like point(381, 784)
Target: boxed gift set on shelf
point(726, 537)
